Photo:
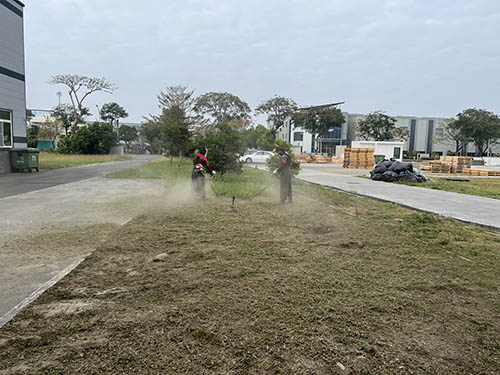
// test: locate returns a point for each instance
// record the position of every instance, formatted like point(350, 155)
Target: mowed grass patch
point(244, 185)
point(51, 160)
point(483, 187)
point(294, 289)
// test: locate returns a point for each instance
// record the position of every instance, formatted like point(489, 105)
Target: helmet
point(203, 150)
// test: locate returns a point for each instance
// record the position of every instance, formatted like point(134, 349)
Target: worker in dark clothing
point(284, 173)
point(198, 176)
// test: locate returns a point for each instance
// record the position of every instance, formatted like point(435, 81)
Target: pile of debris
point(390, 171)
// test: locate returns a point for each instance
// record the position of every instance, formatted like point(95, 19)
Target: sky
point(405, 57)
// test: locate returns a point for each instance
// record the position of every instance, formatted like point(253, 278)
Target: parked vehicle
point(256, 157)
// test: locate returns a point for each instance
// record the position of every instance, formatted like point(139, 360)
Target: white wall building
point(424, 134)
point(12, 86)
point(390, 150)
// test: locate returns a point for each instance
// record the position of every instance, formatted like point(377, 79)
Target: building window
point(5, 128)
point(335, 133)
point(298, 136)
point(397, 152)
point(439, 131)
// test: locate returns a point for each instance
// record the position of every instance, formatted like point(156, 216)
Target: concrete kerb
point(6, 318)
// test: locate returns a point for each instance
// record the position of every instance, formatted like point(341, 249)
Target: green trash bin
point(379, 158)
point(24, 158)
point(17, 159)
point(32, 157)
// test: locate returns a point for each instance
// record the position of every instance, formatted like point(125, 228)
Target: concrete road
point(467, 208)
point(49, 230)
point(19, 183)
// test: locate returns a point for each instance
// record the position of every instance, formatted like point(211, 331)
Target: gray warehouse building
point(12, 85)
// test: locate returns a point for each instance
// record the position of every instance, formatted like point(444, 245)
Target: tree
point(224, 144)
point(29, 115)
point(480, 127)
point(171, 129)
point(377, 126)
point(277, 109)
point(32, 135)
point(128, 134)
point(319, 120)
point(221, 107)
point(93, 139)
point(259, 137)
point(79, 89)
point(451, 134)
point(177, 96)
point(112, 111)
point(49, 131)
point(67, 116)
point(176, 128)
point(154, 135)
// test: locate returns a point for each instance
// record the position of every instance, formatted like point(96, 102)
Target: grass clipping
point(308, 288)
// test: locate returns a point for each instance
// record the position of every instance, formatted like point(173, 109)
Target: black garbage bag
point(390, 176)
point(401, 167)
point(386, 163)
point(377, 177)
point(408, 176)
point(379, 168)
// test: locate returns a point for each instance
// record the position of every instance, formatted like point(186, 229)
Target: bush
point(64, 145)
point(93, 139)
point(225, 144)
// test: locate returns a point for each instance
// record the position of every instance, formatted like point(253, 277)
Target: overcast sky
point(406, 57)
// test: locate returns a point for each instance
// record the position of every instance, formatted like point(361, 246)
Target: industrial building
point(424, 135)
point(12, 81)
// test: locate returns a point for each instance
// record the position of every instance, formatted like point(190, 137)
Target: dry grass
point(483, 187)
point(294, 289)
point(51, 160)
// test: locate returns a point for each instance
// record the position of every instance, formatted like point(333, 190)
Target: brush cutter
point(263, 190)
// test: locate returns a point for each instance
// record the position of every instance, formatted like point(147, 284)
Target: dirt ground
point(332, 284)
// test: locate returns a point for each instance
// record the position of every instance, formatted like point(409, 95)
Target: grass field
point(484, 187)
point(243, 186)
point(51, 160)
point(332, 284)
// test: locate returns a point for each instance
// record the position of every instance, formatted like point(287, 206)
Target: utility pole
point(118, 128)
point(98, 113)
point(59, 95)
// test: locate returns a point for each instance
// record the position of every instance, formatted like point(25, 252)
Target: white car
point(256, 157)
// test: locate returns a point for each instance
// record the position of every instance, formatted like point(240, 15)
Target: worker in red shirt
point(198, 176)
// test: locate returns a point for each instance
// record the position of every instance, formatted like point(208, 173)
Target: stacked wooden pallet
point(426, 168)
point(481, 172)
point(362, 158)
point(440, 167)
point(337, 160)
point(457, 163)
point(319, 159)
point(303, 159)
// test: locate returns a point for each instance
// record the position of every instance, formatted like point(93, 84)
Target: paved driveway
point(47, 231)
point(18, 183)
